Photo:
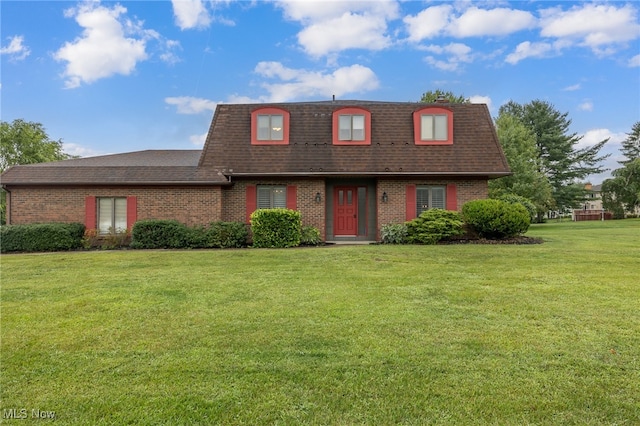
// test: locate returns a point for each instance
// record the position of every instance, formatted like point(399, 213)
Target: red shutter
point(132, 212)
point(90, 221)
point(252, 201)
point(411, 206)
point(452, 197)
point(292, 194)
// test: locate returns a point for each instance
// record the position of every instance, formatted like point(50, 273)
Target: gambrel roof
point(228, 151)
point(475, 150)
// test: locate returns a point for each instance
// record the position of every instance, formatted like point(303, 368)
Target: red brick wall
point(394, 211)
point(313, 213)
point(189, 205)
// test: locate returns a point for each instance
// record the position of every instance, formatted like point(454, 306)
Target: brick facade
point(190, 205)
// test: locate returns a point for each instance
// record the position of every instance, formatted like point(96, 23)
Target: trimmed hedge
point(164, 234)
point(526, 203)
point(276, 228)
point(41, 237)
point(434, 225)
point(310, 236)
point(496, 219)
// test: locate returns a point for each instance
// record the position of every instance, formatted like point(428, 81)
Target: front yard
point(454, 334)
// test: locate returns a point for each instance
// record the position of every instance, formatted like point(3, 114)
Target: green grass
point(462, 334)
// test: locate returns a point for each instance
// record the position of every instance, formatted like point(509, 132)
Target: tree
point(431, 97)
point(622, 192)
point(631, 145)
point(561, 161)
point(519, 146)
point(24, 142)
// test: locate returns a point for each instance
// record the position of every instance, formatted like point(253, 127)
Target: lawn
point(544, 334)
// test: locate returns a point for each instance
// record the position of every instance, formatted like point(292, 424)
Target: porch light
point(318, 197)
point(385, 197)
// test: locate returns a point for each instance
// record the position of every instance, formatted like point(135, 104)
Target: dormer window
point(351, 126)
point(270, 126)
point(433, 126)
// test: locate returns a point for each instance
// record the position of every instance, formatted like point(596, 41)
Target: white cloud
point(79, 150)
point(476, 22)
point(479, 99)
point(334, 26)
point(526, 49)
point(428, 23)
point(456, 54)
point(634, 62)
point(190, 14)
point(442, 20)
point(586, 106)
point(572, 88)
point(16, 50)
point(104, 48)
point(191, 105)
point(601, 27)
point(297, 83)
point(198, 140)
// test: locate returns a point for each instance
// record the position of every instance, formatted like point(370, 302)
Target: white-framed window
point(272, 196)
point(430, 197)
point(112, 215)
point(434, 127)
point(351, 127)
point(270, 127)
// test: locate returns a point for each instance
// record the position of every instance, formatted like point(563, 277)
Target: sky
point(109, 77)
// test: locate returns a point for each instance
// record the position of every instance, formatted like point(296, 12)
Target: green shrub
point(526, 203)
point(156, 234)
point(310, 236)
point(394, 233)
point(227, 235)
point(41, 237)
point(496, 219)
point(434, 225)
point(276, 228)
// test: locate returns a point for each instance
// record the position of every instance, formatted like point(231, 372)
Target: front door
point(345, 210)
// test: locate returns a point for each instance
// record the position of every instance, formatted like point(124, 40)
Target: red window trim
point(272, 111)
point(417, 124)
point(351, 111)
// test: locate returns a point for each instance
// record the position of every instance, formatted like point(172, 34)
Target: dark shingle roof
point(475, 151)
point(152, 167)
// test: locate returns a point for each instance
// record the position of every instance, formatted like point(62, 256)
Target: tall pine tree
point(561, 160)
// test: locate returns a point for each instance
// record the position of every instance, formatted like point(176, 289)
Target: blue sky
point(109, 77)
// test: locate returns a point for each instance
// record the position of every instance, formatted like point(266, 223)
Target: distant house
point(592, 208)
point(349, 167)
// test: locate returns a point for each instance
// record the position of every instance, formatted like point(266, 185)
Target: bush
point(525, 202)
point(310, 236)
point(394, 233)
point(434, 225)
point(227, 235)
point(156, 234)
point(41, 237)
point(276, 228)
point(496, 219)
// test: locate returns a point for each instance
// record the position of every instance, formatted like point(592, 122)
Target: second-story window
point(351, 127)
point(270, 127)
point(433, 127)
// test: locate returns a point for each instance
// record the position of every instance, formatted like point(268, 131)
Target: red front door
point(345, 210)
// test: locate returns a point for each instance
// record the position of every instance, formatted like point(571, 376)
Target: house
point(349, 167)
point(592, 208)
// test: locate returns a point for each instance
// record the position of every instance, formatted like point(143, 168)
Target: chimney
point(442, 100)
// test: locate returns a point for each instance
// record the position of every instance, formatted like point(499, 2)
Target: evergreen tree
point(562, 162)
point(631, 145)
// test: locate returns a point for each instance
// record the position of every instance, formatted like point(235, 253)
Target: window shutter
point(292, 195)
point(251, 198)
point(90, 212)
point(411, 202)
point(452, 197)
point(132, 212)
